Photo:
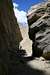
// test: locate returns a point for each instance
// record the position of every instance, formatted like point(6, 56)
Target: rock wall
point(10, 35)
point(39, 29)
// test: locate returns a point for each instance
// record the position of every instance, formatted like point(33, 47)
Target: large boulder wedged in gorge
point(10, 35)
point(39, 29)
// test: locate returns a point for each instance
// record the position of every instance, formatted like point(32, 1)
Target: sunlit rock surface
point(26, 43)
point(39, 28)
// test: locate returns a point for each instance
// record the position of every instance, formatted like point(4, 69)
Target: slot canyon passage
point(15, 38)
point(26, 43)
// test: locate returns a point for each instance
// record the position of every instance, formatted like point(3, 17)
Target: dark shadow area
point(20, 54)
point(20, 67)
point(36, 52)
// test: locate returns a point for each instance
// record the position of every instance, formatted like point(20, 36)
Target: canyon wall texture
point(10, 35)
point(39, 29)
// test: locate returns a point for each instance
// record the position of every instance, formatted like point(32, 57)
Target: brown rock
point(10, 35)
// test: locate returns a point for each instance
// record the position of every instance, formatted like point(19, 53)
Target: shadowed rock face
point(10, 35)
point(39, 28)
point(9, 28)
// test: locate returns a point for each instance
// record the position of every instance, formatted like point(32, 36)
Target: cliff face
point(10, 35)
point(9, 28)
point(39, 28)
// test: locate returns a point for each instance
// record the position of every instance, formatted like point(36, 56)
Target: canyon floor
point(38, 63)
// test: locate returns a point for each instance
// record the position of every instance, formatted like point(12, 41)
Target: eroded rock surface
point(39, 29)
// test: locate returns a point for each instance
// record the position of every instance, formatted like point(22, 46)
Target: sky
point(25, 4)
point(21, 7)
point(20, 14)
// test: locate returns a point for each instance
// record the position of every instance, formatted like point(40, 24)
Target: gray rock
point(39, 30)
